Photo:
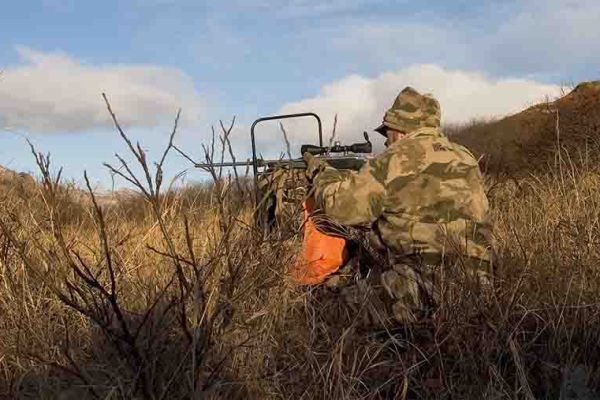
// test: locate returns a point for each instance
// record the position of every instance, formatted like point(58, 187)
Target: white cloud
point(360, 102)
point(52, 92)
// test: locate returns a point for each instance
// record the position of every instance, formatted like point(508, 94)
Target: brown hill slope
point(27, 186)
point(527, 141)
point(11, 181)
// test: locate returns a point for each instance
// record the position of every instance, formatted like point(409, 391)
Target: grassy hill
point(527, 141)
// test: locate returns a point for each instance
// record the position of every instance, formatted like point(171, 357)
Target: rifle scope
point(364, 147)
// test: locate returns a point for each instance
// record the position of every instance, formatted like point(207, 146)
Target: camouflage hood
point(410, 111)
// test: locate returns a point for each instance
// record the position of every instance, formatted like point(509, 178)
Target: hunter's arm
point(349, 197)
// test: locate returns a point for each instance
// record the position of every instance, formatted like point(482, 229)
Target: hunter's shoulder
point(421, 151)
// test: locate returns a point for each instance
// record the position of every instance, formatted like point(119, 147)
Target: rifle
point(331, 155)
point(338, 156)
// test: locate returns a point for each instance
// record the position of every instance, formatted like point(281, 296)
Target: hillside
point(8, 175)
point(26, 186)
point(527, 141)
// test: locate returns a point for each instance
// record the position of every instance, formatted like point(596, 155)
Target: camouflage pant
point(404, 293)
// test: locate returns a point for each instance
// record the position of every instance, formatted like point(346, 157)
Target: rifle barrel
point(224, 164)
point(259, 162)
point(349, 162)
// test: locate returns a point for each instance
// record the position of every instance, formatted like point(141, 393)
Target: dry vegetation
point(175, 294)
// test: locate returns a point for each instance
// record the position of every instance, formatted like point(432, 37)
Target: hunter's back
point(434, 197)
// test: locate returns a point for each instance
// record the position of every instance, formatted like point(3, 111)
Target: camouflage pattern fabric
point(424, 196)
point(411, 111)
point(408, 292)
point(281, 194)
point(398, 294)
point(424, 199)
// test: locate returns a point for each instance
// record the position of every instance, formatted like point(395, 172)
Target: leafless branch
point(287, 141)
point(333, 131)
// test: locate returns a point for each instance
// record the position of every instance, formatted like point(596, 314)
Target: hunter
point(423, 202)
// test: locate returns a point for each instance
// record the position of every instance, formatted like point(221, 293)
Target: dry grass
point(175, 295)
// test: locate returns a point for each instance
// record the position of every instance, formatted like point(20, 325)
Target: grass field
point(174, 295)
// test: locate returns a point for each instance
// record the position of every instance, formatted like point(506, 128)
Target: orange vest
point(321, 254)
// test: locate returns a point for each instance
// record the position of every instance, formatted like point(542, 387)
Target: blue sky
point(216, 59)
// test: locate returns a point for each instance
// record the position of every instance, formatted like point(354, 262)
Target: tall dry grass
point(175, 294)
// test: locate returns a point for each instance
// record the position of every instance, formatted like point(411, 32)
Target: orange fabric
point(321, 254)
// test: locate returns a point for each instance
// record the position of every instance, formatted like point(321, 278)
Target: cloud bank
point(360, 102)
point(55, 93)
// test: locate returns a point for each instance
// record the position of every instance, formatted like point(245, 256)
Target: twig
point(287, 141)
point(333, 132)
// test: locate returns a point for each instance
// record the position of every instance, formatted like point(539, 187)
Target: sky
point(249, 58)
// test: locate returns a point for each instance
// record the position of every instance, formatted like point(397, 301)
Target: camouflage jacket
point(423, 195)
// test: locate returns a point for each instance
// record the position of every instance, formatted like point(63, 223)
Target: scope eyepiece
point(365, 147)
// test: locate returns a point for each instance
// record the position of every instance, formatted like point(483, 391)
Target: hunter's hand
point(312, 165)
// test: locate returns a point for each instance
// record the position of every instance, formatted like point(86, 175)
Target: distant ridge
point(27, 185)
point(528, 141)
point(8, 175)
